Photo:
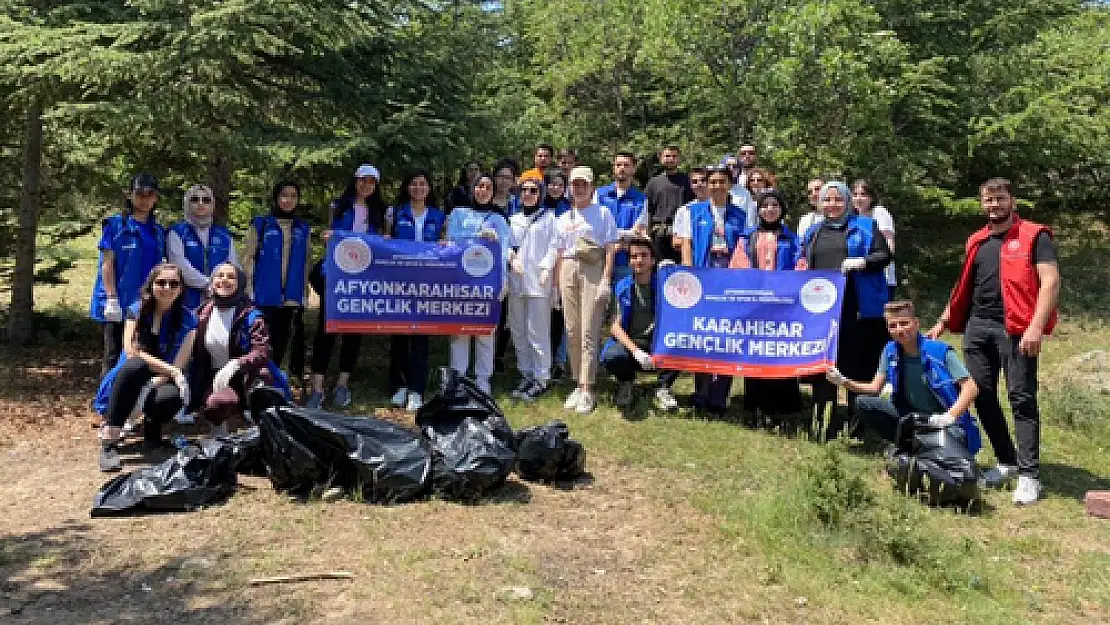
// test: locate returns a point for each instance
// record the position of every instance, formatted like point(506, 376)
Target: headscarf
point(532, 176)
point(769, 194)
point(235, 299)
point(844, 193)
point(488, 206)
point(275, 202)
point(198, 221)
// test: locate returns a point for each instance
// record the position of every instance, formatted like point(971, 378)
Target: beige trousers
point(585, 296)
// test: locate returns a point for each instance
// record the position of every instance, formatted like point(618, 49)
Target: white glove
point(517, 264)
point(224, 375)
point(644, 358)
point(853, 264)
point(666, 262)
point(112, 311)
point(836, 377)
point(182, 385)
point(941, 420)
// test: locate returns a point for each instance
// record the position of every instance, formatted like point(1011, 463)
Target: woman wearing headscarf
point(770, 246)
point(853, 245)
point(196, 244)
point(232, 351)
point(555, 200)
point(150, 374)
point(480, 219)
point(277, 257)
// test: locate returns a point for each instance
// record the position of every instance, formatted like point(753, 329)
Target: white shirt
point(685, 228)
point(417, 221)
point(361, 222)
point(534, 240)
point(885, 222)
point(216, 338)
point(742, 199)
point(175, 253)
point(593, 222)
point(807, 221)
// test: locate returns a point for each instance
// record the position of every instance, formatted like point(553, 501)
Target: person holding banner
point(196, 244)
point(587, 245)
point(415, 218)
point(853, 245)
point(771, 246)
point(531, 263)
point(708, 240)
point(359, 209)
point(480, 219)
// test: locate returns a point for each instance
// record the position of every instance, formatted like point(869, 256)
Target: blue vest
point(622, 291)
point(268, 289)
point(937, 377)
point(404, 224)
point(121, 233)
point(787, 248)
point(701, 230)
point(345, 220)
point(168, 346)
point(626, 210)
point(871, 289)
point(203, 259)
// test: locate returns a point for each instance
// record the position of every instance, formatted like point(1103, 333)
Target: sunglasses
point(167, 284)
point(202, 200)
point(529, 190)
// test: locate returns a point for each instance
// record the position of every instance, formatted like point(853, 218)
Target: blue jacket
point(121, 235)
point(203, 259)
point(168, 346)
point(871, 289)
point(404, 225)
point(622, 292)
point(701, 230)
point(268, 289)
point(626, 210)
point(465, 223)
point(937, 377)
point(787, 248)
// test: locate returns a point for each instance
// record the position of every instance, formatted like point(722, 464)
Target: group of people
point(216, 322)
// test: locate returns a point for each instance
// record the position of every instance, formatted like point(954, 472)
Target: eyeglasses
point(529, 190)
point(202, 200)
point(167, 284)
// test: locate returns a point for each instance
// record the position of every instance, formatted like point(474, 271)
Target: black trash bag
point(198, 475)
point(246, 452)
point(307, 451)
point(938, 466)
point(547, 453)
point(473, 449)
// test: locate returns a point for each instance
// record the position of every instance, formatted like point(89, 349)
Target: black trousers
point(323, 344)
point(661, 239)
point(162, 403)
point(285, 323)
point(989, 349)
point(113, 345)
point(408, 363)
point(623, 366)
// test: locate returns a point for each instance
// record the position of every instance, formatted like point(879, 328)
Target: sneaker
point(1028, 490)
point(109, 460)
point(665, 400)
point(586, 403)
point(999, 476)
point(315, 401)
point(572, 400)
point(535, 391)
point(341, 397)
point(624, 395)
point(414, 403)
point(400, 397)
point(521, 390)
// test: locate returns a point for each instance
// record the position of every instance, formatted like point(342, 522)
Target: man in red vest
point(1004, 304)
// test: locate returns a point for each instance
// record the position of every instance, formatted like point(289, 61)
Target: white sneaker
point(586, 403)
point(1028, 490)
point(399, 397)
point(414, 403)
point(572, 400)
point(665, 400)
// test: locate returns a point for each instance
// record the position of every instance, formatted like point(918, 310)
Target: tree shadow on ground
point(51, 578)
point(1069, 481)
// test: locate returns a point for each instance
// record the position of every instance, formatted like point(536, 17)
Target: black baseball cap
point(144, 182)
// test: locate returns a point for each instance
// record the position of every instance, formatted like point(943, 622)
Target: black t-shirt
point(665, 193)
point(986, 294)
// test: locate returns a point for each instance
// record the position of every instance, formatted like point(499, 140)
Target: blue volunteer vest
point(787, 248)
point(871, 289)
point(203, 259)
point(937, 377)
point(126, 243)
point(701, 230)
point(404, 224)
point(268, 289)
point(626, 211)
point(622, 291)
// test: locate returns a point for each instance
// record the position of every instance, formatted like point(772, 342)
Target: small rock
point(146, 587)
point(599, 571)
point(800, 601)
point(517, 593)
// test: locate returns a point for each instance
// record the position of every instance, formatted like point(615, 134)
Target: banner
point(390, 286)
point(760, 324)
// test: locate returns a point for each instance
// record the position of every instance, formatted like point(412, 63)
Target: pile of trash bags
point(934, 463)
point(463, 450)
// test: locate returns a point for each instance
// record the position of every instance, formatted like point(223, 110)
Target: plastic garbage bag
point(937, 466)
point(198, 475)
point(310, 450)
point(246, 452)
point(473, 448)
point(547, 453)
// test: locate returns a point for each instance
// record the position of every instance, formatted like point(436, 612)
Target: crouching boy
point(927, 378)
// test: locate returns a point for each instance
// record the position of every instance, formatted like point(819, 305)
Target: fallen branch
point(303, 577)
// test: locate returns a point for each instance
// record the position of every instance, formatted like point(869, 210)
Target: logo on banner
point(818, 295)
point(353, 255)
point(477, 261)
point(682, 289)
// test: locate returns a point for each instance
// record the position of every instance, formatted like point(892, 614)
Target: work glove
point(853, 264)
point(644, 358)
point(112, 310)
point(666, 262)
point(182, 385)
point(224, 375)
point(517, 264)
point(835, 376)
point(941, 420)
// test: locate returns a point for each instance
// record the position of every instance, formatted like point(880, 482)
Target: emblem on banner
point(353, 255)
point(682, 289)
point(818, 295)
point(477, 261)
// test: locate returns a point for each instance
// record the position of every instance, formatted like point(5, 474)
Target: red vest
point(1020, 282)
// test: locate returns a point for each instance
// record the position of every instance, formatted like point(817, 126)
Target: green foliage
point(831, 494)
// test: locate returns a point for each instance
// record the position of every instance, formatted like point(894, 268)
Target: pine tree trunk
point(219, 178)
point(21, 322)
